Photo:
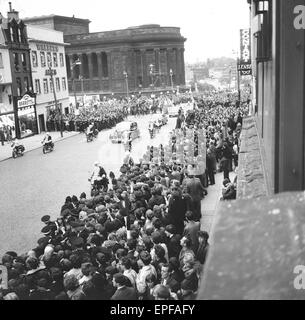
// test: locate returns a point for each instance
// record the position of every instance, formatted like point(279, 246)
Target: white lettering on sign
point(26, 101)
point(245, 45)
point(299, 20)
point(46, 47)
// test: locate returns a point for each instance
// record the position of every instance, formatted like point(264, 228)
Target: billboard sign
point(244, 65)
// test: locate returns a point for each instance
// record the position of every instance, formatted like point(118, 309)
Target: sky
point(211, 27)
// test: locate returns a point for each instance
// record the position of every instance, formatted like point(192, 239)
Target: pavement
point(32, 143)
point(209, 204)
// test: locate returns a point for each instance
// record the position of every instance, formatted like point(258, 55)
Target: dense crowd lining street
point(138, 237)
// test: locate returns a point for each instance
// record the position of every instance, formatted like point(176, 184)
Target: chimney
point(12, 13)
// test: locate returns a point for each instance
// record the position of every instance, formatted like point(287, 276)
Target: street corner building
point(27, 55)
point(141, 58)
point(17, 99)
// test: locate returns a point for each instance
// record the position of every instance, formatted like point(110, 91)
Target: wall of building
point(280, 99)
point(46, 23)
point(48, 41)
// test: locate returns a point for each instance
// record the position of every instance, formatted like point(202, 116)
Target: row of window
point(48, 84)
point(47, 59)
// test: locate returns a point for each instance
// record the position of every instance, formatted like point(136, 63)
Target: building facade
point(278, 41)
point(18, 98)
point(48, 52)
point(141, 58)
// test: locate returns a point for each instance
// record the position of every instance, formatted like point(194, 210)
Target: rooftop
point(54, 16)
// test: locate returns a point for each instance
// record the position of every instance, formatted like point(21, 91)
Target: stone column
point(178, 66)
point(90, 65)
point(134, 69)
point(182, 66)
point(143, 68)
point(168, 66)
point(157, 65)
point(109, 69)
point(100, 65)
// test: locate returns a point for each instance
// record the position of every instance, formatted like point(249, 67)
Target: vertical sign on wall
point(244, 65)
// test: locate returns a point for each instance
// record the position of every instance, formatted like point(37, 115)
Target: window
point(263, 38)
point(43, 59)
point(23, 61)
point(19, 88)
point(64, 87)
point(57, 84)
point(55, 62)
point(34, 59)
point(45, 86)
point(37, 86)
point(49, 59)
point(16, 62)
point(1, 61)
point(51, 85)
point(61, 59)
point(26, 84)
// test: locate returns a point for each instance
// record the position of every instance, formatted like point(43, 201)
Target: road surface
point(37, 184)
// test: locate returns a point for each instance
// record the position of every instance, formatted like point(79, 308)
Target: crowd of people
point(138, 237)
point(110, 111)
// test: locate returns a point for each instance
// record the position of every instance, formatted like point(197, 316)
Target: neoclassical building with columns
point(141, 58)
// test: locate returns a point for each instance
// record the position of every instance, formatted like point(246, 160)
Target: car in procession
point(159, 119)
point(123, 130)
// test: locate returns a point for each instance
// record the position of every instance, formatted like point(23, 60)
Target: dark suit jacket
point(195, 189)
point(125, 293)
point(173, 246)
point(173, 284)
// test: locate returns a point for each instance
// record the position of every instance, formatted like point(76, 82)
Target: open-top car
point(122, 131)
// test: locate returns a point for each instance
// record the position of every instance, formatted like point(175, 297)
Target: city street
point(37, 184)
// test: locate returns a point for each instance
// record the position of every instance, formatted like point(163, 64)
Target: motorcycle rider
point(17, 146)
point(47, 140)
point(89, 130)
point(98, 177)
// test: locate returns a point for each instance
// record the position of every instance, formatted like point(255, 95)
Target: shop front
point(7, 123)
point(27, 117)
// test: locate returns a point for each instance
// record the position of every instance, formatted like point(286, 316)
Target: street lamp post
point(52, 72)
point(238, 79)
point(238, 75)
point(81, 78)
point(75, 63)
point(126, 79)
point(171, 75)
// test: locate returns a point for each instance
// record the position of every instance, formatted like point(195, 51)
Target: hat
point(45, 218)
point(46, 230)
point(66, 213)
